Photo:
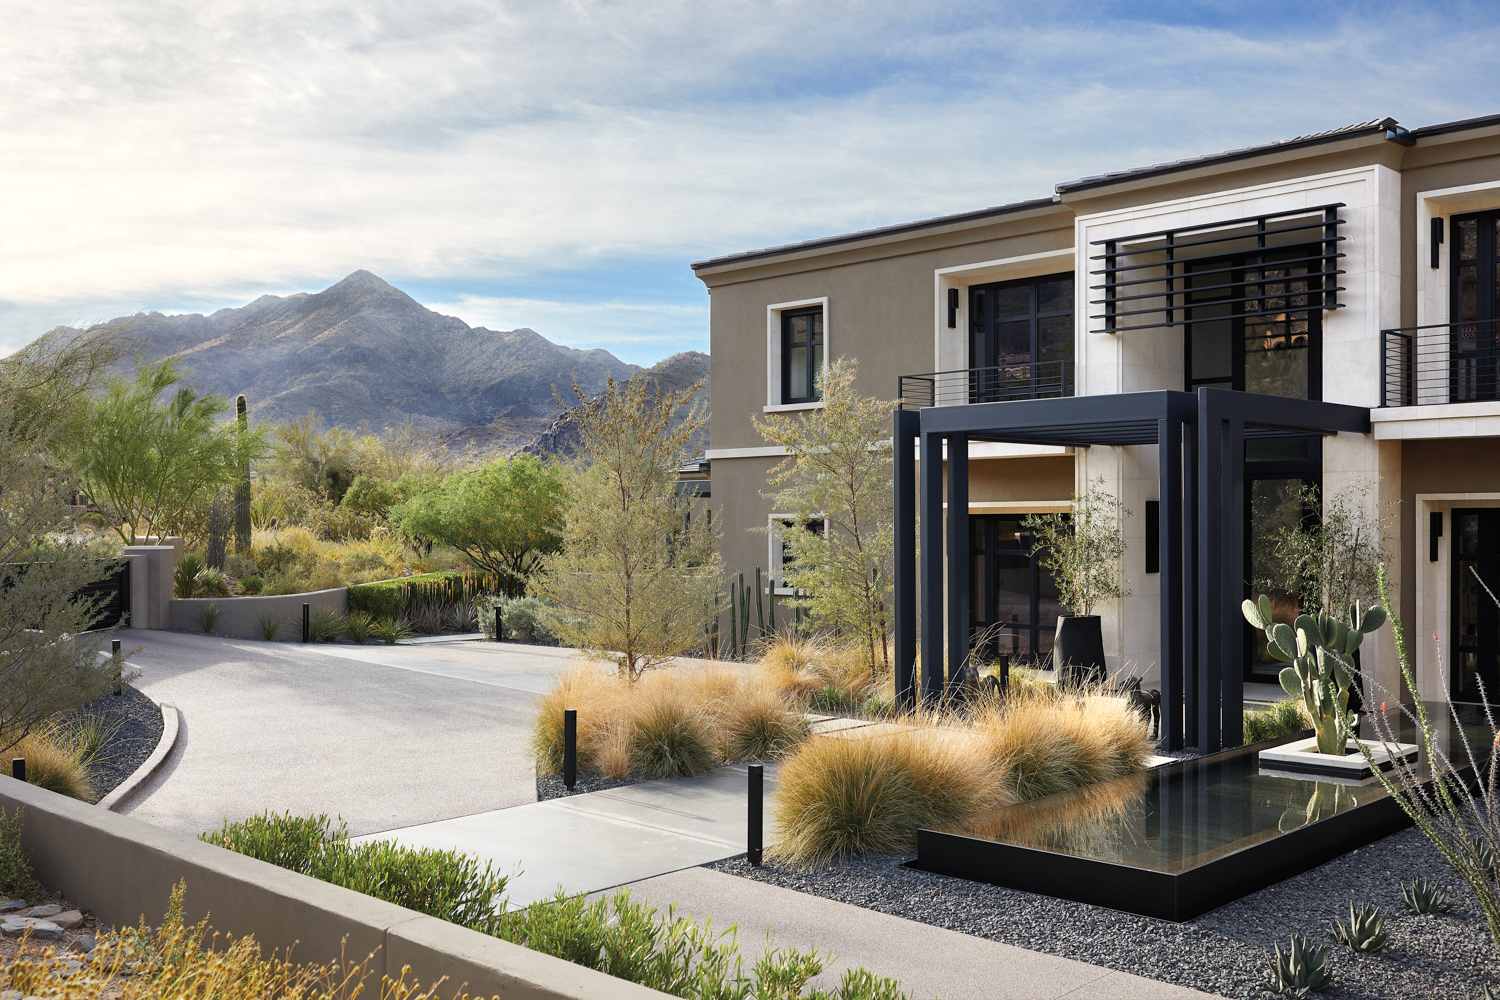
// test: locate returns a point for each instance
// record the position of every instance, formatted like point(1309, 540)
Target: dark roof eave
point(1385, 127)
point(868, 234)
point(1487, 121)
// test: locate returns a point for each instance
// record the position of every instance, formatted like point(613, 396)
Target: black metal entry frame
point(1200, 440)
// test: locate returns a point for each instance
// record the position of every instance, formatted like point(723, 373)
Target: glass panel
point(1013, 301)
point(817, 326)
point(1272, 365)
point(977, 583)
point(1048, 607)
point(1467, 635)
point(1467, 233)
point(797, 330)
point(1468, 535)
point(1013, 342)
point(1212, 344)
point(1054, 338)
point(816, 372)
point(1275, 506)
point(1054, 296)
point(1013, 590)
point(798, 361)
point(1468, 292)
point(1276, 449)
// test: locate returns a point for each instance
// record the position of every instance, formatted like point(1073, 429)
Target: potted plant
point(1083, 552)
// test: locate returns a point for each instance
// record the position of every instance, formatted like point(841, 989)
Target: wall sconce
point(1437, 239)
point(952, 308)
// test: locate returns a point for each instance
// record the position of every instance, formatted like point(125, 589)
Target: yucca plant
point(392, 630)
point(1422, 896)
point(324, 625)
point(358, 627)
point(269, 626)
point(207, 616)
point(1365, 930)
point(185, 576)
point(1301, 970)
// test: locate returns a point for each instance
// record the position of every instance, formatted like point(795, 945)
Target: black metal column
point(904, 442)
point(1187, 709)
point(1169, 484)
point(1211, 434)
point(931, 498)
point(1232, 562)
point(958, 555)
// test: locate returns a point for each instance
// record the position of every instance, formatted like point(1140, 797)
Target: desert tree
point(839, 471)
point(1083, 549)
point(505, 517)
point(46, 666)
point(637, 571)
point(151, 451)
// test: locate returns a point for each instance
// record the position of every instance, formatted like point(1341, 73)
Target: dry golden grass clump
point(671, 723)
point(871, 794)
point(817, 672)
point(56, 764)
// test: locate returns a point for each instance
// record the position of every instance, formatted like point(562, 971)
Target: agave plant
point(324, 625)
point(269, 626)
point(392, 630)
point(1422, 896)
point(1365, 930)
point(1300, 970)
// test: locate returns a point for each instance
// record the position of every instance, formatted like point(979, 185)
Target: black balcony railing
point(1038, 380)
point(1440, 363)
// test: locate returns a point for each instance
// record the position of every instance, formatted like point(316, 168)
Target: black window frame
point(814, 372)
point(1025, 379)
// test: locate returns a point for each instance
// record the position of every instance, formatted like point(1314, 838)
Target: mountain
point(673, 374)
point(364, 351)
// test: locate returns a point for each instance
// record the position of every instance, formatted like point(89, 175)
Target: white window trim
point(773, 555)
point(773, 351)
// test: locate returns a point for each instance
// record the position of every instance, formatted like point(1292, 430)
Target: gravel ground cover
point(550, 786)
point(137, 727)
point(1222, 952)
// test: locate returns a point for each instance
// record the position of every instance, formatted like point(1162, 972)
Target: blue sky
point(557, 164)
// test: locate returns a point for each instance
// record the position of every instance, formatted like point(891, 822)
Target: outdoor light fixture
point(1433, 534)
point(1437, 240)
point(952, 308)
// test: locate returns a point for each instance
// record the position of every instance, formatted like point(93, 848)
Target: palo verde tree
point(839, 471)
point(636, 576)
point(504, 517)
point(45, 665)
point(151, 450)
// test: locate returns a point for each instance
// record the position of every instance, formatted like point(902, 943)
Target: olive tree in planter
point(1083, 552)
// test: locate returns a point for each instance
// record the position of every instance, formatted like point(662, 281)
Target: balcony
point(1440, 363)
point(1035, 380)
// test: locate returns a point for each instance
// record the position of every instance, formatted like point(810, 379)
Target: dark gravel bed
point(139, 730)
point(1222, 952)
point(550, 786)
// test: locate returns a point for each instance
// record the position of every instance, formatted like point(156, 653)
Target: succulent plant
point(1300, 970)
point(185, 575)
point(1316, 646)
point(1365, 930)
point(1422, 896)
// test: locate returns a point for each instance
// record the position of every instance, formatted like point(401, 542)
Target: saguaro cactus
point(1317, 648)
point(242, 488)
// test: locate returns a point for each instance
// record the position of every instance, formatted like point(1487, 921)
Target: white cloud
point(171, 153)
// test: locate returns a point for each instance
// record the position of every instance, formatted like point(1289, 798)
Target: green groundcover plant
point(619, 936)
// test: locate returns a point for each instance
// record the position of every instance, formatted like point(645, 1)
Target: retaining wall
point(122, 869)
point(240, 616)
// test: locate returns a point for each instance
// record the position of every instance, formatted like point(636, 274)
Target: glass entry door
point(1476, 620)
point(1475, 307)
point(1015, 606)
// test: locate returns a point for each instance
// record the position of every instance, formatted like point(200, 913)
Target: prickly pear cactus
point(1320, 650)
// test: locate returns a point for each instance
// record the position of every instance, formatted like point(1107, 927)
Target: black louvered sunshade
point(1263, 265)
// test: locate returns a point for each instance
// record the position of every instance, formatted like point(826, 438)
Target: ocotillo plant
point(1320, 675)
point(242, 487)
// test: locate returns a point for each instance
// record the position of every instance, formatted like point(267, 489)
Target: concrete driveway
point(385, 736)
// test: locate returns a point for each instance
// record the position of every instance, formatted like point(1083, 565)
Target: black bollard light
point(114, 654)
point(755, 834)
point(307, 623)
point(570, 748)
point(498, 630)
point(18, 768)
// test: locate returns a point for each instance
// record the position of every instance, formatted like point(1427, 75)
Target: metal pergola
point(1200, 441)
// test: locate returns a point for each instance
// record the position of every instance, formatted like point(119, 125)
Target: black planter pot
point(1078, 650)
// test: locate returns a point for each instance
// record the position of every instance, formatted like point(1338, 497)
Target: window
point(1021, 338)
point(801, 355)
point(1254, 323)
point(781, 555)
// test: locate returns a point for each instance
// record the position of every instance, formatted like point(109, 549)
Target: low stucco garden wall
point(121, 869)
point(240, 616)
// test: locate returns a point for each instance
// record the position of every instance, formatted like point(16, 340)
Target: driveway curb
point(170, 719)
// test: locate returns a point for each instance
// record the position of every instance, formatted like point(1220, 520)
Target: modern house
point(1358, 267)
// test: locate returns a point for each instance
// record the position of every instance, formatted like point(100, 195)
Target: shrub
point(357, 626)
point(15, 863)
point(669, 738)
point(448, 885)
point(240, 567)
point(252, 584)
point(1051, 745)
point(392, 630)
point(269, 625)
point(211, 583)
point(57, 767)
point(1287, 717)
point(865, 795)
point(521, 618)
point(759, 724)
point(207, 616)
point(185, 576)
point(324, 625)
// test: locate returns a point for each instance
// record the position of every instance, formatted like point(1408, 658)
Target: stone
point(11, 905)
point(84, 944)
point(41, 930)
point(68, 920)
point(47, 910)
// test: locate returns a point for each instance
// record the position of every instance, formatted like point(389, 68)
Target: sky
point(558, 164)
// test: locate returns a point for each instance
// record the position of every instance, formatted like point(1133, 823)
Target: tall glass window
point(1021, 338)
point(801, 355)
point(1015, 600)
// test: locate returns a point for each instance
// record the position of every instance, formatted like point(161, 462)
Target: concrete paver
point(929, 961)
